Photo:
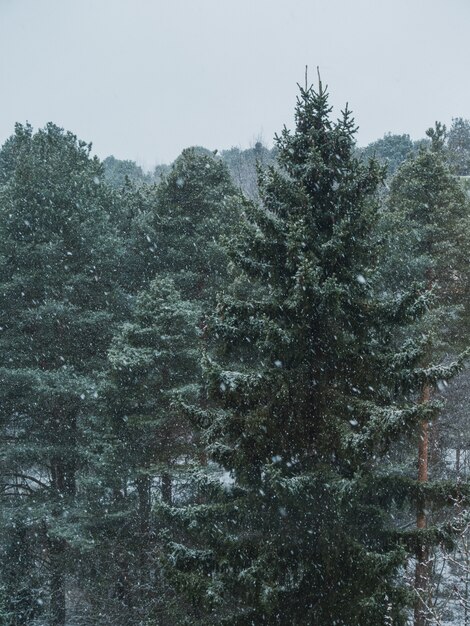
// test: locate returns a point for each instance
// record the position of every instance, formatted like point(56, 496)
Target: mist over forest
point(234, 389)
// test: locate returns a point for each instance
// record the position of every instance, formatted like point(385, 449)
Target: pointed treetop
point(320, 88)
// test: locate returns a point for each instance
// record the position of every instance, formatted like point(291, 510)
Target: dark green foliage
point(175, 228)
point(390, 151)
point(272, 484)
point(58, 297)
point(425, 224)
point(23, 592)
point(196, 204)
point(307, 390)
point(176, 262)
point(427, 221)
point(151, 359)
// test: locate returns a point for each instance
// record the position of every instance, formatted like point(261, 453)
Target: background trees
point(458, 146)
point(390, 151)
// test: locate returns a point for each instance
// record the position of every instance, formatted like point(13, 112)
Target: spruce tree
point(312, 381)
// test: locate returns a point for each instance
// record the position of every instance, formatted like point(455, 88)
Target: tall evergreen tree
point(152, 359)
point(58, 267)
point(175, 263)
point(312, 381)
point(429, 210)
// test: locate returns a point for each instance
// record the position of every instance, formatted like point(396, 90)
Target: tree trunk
point(143, 491)
point(140, 594)
point(123, 591)
point(57, 583)
point(63, 483)
point(167, 488)
point(422, 572)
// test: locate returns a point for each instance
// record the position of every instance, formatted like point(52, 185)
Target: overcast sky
point(143, 79)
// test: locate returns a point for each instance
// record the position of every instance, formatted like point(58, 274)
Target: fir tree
point(312, 381)
point(175, 228)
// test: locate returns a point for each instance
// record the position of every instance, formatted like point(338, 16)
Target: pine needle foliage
point(59, 298)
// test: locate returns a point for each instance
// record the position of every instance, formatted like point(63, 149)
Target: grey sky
point(142, 79)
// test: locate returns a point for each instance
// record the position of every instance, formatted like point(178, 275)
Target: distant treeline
point(242, 164)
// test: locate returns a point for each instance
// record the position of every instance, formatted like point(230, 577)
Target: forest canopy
point(233, 389)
